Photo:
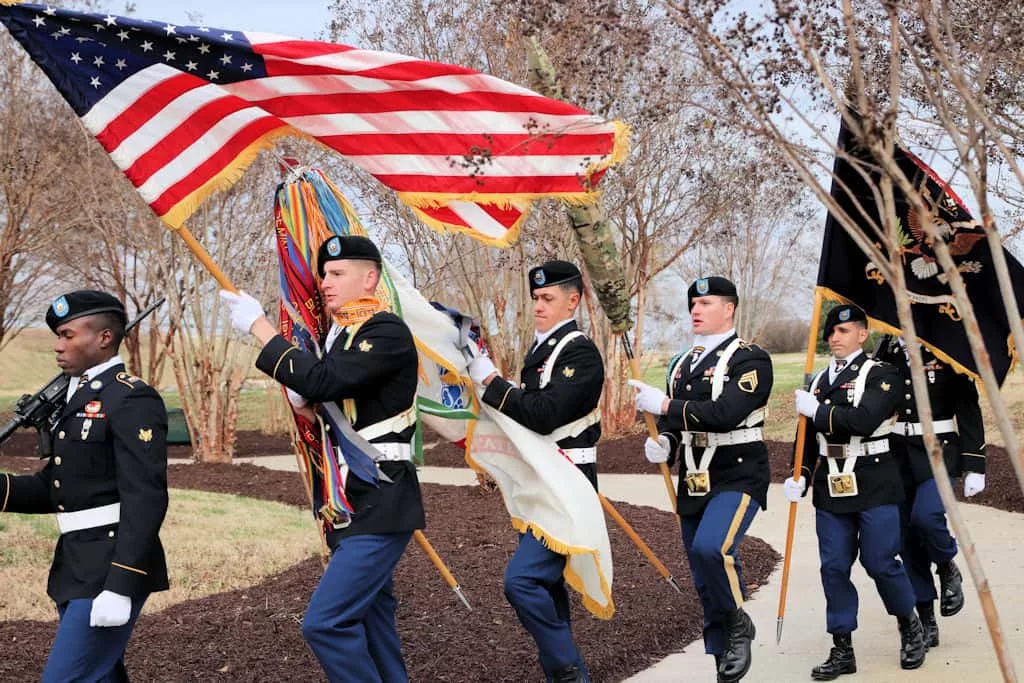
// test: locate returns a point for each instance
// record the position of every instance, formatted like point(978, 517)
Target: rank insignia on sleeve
point(748, 381)
point(886, 386)
point(365, 346)
point(568, 372)
point(145, 435)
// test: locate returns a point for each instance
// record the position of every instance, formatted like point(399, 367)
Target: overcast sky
point(297, 18)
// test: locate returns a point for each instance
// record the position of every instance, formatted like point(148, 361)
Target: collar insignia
point(145, 435)
point(365, 346)
point(568, 372)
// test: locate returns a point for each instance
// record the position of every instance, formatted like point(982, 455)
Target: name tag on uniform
point(698, 483)
point(842, 484)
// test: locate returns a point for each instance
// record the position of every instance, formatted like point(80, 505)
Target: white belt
point(581, 456)
point(917, 429)
point(714, 439)
point(396, 424)
point(843, 450)
point(105, 515)
point(576, 427)
point(393, 451)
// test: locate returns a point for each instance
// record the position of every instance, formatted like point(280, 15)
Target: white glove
point(110, 609)
point(480, 368)
point(243, 309)
point(648, 399)
point(656, 451)
point(297, 401)
point(974, 483)
point(793, 489)
point(806, 404)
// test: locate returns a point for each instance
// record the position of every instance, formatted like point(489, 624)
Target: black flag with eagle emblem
point(847, 274)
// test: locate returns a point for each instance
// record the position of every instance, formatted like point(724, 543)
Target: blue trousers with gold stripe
point(926, 538)
point(875, 534)
point(711, 539)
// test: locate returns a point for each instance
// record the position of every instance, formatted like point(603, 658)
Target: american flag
point(183, 110)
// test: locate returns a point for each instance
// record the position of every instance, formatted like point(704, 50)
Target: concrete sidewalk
point(965, 655)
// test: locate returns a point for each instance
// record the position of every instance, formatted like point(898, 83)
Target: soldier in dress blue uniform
point(370, 361)
point(857, 489)
point(711, 422)
point(956, 417)
point(107, 483)
point(560, 386)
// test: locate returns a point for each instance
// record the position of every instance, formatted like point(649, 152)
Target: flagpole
point(222, 279)
point(798, 461)
point(639, 543)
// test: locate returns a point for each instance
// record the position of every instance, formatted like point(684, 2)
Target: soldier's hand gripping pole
point(441, 567)
point(652, 428)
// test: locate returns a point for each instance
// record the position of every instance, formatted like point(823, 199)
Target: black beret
point(81, 303)
point(846, 313)
point(346, 247)
point(553, 273)
point(710, 286)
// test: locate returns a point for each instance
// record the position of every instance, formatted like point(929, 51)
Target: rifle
point(42, 409)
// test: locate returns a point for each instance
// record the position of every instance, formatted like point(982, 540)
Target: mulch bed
point(254, 634)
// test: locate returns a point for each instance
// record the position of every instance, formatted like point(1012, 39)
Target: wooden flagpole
point(798, 461)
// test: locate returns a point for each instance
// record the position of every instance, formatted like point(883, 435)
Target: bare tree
point(210, 363)
point(124, 245)
point(34, 127)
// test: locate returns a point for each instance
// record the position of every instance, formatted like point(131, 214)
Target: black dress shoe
point(926, 610)
point(735, 661)
point(912, 645)
point(840, 659)
point(569, 674)
point(952, 589)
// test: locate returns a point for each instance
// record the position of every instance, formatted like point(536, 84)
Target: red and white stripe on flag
point(468, 151)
